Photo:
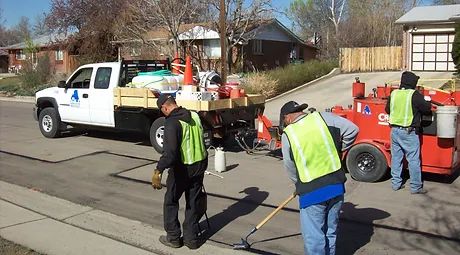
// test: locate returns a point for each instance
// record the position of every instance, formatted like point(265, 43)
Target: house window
point(212, 48)
point(20, 55)
point(135, 51)
point(59, 55)
point(257, 47)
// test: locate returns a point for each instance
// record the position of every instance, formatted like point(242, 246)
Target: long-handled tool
point(244, 242)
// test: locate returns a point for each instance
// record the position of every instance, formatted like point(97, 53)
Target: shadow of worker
point(356, 227)
point(242, 207)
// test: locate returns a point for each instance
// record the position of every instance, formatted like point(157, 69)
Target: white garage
point(428, 36)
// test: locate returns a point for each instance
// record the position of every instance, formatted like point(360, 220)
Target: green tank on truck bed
point(95, 96)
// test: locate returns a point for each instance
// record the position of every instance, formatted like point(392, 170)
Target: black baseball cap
point(162, 99)
point(290, 107)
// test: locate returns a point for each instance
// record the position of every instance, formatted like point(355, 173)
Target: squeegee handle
point(275, 211)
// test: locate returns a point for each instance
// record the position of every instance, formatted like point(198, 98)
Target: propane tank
point(358, 88)
point(220, 162)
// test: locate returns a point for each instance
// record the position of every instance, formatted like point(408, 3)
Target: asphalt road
point(111, 172)
point(337, 90)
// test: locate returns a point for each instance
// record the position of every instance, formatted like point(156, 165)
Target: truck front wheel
point(49, 123)
point(366, 163)
point(156, 134)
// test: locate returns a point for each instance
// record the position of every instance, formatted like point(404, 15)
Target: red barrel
point(358, 89)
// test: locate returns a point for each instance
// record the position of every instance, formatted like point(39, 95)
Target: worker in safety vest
point(185, 155)
point(405, 107)
point(312, 146)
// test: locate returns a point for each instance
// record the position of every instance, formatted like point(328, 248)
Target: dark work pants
point(195, 207)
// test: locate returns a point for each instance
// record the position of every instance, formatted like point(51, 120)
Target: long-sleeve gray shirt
point(348, 132)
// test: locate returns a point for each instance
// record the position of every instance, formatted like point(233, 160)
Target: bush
point(261, 83)
point(456, 48)
point(277, 81)
point(33, 76)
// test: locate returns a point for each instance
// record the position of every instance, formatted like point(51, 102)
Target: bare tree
point(24, 28)
point(40, 27)
point(242, 20)
point(90, 26)
point(143, 16)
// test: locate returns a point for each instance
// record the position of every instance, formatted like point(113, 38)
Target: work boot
point(421, 191)
point(173, 244)
point(195, 244)
point(400, 187)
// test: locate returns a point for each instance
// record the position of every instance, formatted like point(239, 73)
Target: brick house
point(59, 59)
point(428, 34)
point(267, 45)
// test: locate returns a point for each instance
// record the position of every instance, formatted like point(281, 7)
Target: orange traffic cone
point(188, 74)
point(175, 68)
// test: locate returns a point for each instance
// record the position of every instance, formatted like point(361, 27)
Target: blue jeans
point(409, 144)
point(319, 226)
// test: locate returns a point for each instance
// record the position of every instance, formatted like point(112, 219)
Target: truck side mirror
point(62, 84)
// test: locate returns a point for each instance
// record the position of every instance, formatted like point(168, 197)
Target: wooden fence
point(371, 59)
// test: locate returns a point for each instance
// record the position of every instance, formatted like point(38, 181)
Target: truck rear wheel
point(49, 123)
point(157, 130)
point(366, 163)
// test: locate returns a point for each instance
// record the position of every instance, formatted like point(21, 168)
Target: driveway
point(337, 90)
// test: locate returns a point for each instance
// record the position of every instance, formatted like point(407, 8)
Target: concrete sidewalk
point(55, 226)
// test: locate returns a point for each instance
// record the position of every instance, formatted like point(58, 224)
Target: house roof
point(207, 30)
point(3, 51)
point(430, 14)
point(41, 41)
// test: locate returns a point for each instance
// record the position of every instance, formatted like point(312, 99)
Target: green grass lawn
point(8, 81)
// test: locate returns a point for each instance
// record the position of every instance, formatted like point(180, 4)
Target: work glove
point(156, 180)
point(427, 98)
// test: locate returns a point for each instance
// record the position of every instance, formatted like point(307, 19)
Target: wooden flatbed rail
point(143, 97)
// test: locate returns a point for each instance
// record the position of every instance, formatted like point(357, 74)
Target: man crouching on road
point(312, 146)
point(185, 155)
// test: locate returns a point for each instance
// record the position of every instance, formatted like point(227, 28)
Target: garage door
point(432, 52)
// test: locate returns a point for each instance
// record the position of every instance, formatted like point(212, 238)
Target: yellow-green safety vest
point(192, 147)
point(313, 148)
point(401, 107)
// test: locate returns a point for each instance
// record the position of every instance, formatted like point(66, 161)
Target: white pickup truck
point(86, 99)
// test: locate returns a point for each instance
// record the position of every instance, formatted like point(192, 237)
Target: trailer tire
point(156, 134)
point(49, 123)
point(366, 163)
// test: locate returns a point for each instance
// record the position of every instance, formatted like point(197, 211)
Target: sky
point(14, 9)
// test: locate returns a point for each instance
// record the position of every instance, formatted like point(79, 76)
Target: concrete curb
point(334, 72)
point(32, 219)
point(18, 99)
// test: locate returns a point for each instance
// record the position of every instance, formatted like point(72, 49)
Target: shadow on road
point(352, 236)
point(242, 207)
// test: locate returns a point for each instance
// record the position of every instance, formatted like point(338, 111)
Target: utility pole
point(223, 43)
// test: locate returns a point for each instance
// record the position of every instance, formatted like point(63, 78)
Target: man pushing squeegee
point(312, 146)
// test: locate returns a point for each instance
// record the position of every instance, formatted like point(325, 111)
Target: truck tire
point(366, 163)
point(156, 134)
point(49, 123)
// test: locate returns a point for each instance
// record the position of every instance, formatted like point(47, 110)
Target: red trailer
point(368, 160)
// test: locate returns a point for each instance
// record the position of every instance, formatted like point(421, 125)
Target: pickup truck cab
point(86, 99)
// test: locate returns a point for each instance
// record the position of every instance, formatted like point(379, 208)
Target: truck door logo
point(75, 99)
